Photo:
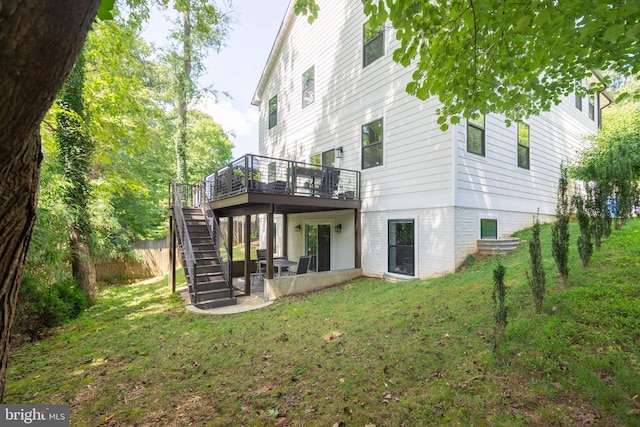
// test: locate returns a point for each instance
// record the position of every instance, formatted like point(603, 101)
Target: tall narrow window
point(273, 111)
point(578, 102)
point(308, 87)
point(373, 43)
point(475, 135)
point(488, 228)
point(372, 144)
point(523, 145)
point(401, 247)
point(592, 107)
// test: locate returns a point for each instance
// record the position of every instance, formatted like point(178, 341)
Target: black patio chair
point(302, 267)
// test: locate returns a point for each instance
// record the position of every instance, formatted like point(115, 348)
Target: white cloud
point(232, 120)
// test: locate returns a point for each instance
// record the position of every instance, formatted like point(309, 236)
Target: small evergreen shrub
point(560, 236)
point(499, 307)
point(585, 246)
point(42, 306)
point(537, 278)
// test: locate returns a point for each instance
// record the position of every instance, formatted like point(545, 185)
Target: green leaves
point(105, 10)
point(513, 58)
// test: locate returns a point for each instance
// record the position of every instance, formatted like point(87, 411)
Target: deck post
point(247, 254)
point(270, 243)
point(172, 253)
point(357, 248)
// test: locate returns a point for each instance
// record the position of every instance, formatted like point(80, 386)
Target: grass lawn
point(364, 353)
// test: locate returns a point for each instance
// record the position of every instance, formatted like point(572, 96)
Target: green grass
point(366, 352)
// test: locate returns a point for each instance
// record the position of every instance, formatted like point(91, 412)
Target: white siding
point(426, 173)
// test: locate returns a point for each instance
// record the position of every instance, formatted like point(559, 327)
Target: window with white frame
point(372, 42)
point(401, 247)
point(273, 111)
point(523, 145)
point(475, 135)
point(372, 144)
point(308, 87)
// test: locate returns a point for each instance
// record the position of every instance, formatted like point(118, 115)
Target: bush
point(42, 306)
point(537, 278)
point(499, 308)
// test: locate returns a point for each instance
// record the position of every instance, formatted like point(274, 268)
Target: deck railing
point(259, 174)
point(180, 193)
point(224, 256)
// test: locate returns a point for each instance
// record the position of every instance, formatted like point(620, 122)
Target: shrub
point(536, 279)
point(499, 308)
point(560, 237)
point(585, 246)
point(43, 306)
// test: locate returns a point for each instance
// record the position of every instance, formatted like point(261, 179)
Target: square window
point(401, 248)
point(475, 135)
point(372, 144)
point(308, 87)
point(523, 145)
point(273, 111)
point(488, 228)
point(372, 42)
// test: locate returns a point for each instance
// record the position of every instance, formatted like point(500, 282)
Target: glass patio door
point(318, 246)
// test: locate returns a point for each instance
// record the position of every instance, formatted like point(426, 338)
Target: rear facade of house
point(330, 94)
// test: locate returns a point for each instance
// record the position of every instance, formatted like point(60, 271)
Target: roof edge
point(285, 26)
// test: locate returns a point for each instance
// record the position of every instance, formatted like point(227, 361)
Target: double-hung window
point(308, 87)
point(592, 107)
point(372, 42)
point(523, 145)
point(401, 247)
point(372, 144)
point(475, 135)
point(273, 111)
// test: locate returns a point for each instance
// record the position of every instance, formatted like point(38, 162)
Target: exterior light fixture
point(338, 228)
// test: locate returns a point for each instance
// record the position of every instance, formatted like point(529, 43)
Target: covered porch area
point(288, 210)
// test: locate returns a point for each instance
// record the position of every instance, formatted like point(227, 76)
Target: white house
point(331, 94)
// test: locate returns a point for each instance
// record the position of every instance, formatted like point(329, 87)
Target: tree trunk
point(39, 42)
point(184, 97)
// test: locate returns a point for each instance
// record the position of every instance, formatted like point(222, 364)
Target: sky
point(237, 68)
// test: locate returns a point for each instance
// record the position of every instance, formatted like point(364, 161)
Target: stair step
point(213, 294)
point(214, 285)
point(204, 305)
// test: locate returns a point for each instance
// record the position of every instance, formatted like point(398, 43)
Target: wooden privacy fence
point(151, 260)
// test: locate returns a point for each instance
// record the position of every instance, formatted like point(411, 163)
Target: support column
point(270, 243)
point(247, 255)
point(230, 247)
point(358, 248)
point(285, 235)
point(172, 254)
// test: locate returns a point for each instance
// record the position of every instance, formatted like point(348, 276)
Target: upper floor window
point(372, 144)
point(578, 102)
point(592, 107)
point(475, 135)
point(326, 158)
point(523, 145)
point(273, 111)
point(373, 42)
point(308, 87)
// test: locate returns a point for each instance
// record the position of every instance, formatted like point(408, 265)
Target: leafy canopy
point(514, 58)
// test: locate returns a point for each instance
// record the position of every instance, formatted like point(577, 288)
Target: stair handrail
point(222, 251)
point(185, 241)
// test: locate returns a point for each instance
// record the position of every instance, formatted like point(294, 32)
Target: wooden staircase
point(209, 289)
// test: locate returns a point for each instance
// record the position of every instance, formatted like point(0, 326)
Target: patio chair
point(262, 256)
point(303, 266)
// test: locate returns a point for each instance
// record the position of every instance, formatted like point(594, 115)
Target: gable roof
point(285, 27)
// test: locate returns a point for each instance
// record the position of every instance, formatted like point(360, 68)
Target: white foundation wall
point(434, 241)
point(467, 227)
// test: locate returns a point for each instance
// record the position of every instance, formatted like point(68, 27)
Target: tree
point(75, 153)
point(514, 58)
point(560, 236)
point(34, 66)
point(585, 247)
point(203, 26)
